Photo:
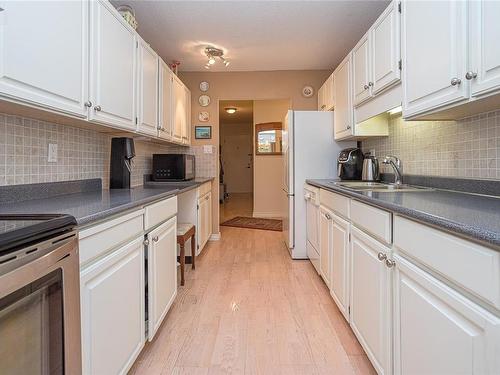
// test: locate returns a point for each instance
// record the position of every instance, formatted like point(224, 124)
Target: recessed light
point(230, 110)
point(396, 110)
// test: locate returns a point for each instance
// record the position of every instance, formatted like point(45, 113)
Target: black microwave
point(173, 167)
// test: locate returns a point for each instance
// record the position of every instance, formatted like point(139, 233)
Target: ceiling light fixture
point(230, 110)
point(212, 53)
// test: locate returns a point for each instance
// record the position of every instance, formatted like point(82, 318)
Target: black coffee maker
point(350, 164)
point(122, 152)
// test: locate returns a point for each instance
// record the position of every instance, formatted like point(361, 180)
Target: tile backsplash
point(467, 148)
point(82, 153)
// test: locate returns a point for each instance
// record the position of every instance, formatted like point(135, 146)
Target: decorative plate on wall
point(204, 86)
point(204, 116)
point(204, 100)
point(307, 91)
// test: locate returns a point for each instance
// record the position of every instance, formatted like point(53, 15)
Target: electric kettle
point(370, 169)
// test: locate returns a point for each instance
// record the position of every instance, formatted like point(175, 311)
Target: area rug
point(255, 223)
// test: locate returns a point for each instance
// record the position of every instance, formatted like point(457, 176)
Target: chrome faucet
point(397, 166)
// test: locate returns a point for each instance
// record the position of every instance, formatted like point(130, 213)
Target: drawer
point(468, 265)
point(335, 202)
point(99, 239)
point(157, 213)
point(204, 188)
point(373, 220)
point(311, 193)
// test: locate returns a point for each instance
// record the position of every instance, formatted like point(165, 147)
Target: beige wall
point(248, 86)
point(268, 169)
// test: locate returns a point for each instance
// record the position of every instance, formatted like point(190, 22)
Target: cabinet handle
point(323, 106)
point(370, 84)
point(366, 87)
point(146, 242)
point(348, 127)
point(390, 263)
point(206, 198)
point(97, 108)
point(470, 75)
point(328, 217)
point(381, 256)
point(455, 81)
point(88, 103)
point(155, 238)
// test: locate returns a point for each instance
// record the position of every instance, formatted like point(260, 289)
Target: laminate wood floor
point(238, 204)
point(248, 308)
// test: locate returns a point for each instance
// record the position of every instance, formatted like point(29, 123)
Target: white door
point(147, 93)
point(438, 331)
point(361, 70)
point(165, 109)
point(162, 273)
point(325, 243)
point(371, 299)
point(44, 54)
point(343, 114)
point(434, 53)
point(113, 311)
point(484, 28)
point(340, 265)
point(385, 49)
point(112, 67)
point(179, 109)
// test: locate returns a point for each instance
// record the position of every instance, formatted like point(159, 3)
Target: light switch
point(207, 149)
point(52, 158)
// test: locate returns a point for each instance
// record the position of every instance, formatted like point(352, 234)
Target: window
point(268, 138)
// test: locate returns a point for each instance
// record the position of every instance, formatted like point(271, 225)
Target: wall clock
point(307, 91)
point(203, 116)
point(204, 100)
point(204, 86)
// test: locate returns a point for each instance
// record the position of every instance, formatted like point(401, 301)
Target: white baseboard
point(269, 215)
point(214, 237)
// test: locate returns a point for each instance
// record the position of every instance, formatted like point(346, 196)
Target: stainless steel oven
point(40, 305)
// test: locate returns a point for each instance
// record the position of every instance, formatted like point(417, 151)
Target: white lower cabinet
point(371, 299)
point(325, 243)
point(437, 330)
point(162, 273)
point(339, 288)
point(204, 227)
point(113, 311)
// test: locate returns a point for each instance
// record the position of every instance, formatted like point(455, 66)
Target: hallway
point(249, 309)
point(238, 204)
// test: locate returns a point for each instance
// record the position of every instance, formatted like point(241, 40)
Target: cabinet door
point(325, 244)
point(371, 299)
point(179, 109)
point(385, 49)
point(343, 114)
point(312, 222)
point(361, 71)
point(147, 93)
point(438, 331)
point(321, 95)
point(186, 131)
point(112, 300)
point(340, 265)
point(434, 54)
point(484, 51)
point(329, 94)
point(166, 102)
point(44, 54)
point(204, 220)
point(162, 273)
point(112, 67)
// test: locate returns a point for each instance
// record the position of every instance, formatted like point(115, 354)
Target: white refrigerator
point(309, 152)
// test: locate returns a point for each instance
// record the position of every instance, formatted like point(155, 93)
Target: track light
point(212, 53)
point(211, 61)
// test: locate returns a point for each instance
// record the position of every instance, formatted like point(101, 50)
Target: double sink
point(379, 187)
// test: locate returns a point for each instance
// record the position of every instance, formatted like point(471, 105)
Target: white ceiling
point(255, 35)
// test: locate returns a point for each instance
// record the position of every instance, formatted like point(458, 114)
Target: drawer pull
point(390, 263)
point(382, 257)
point(155, 238)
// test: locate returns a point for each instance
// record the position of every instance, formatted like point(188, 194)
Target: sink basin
point(379, 187)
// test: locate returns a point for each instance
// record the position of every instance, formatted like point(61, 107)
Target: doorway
point(236, 158)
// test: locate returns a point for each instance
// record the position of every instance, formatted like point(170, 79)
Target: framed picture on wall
point(203, 132)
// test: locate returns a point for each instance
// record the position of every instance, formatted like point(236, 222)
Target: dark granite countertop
point(90, 206)
point(476, 217)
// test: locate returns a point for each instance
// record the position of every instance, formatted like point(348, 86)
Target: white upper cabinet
point(326, 95)
point(361, 70)
point(165, 107)
point(112, 67)
point(484, 31)
point(44, 54)
point(147, 93)
point(343, 114)
point(178, 109)
point(186, 134)
point(434, 53)
point(385, 41)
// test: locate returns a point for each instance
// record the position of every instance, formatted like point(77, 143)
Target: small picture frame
point(203, 132)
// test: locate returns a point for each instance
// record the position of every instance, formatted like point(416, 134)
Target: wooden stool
point(184, 233)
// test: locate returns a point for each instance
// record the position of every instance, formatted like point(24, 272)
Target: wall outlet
point(52, 157)
point(207, 149)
